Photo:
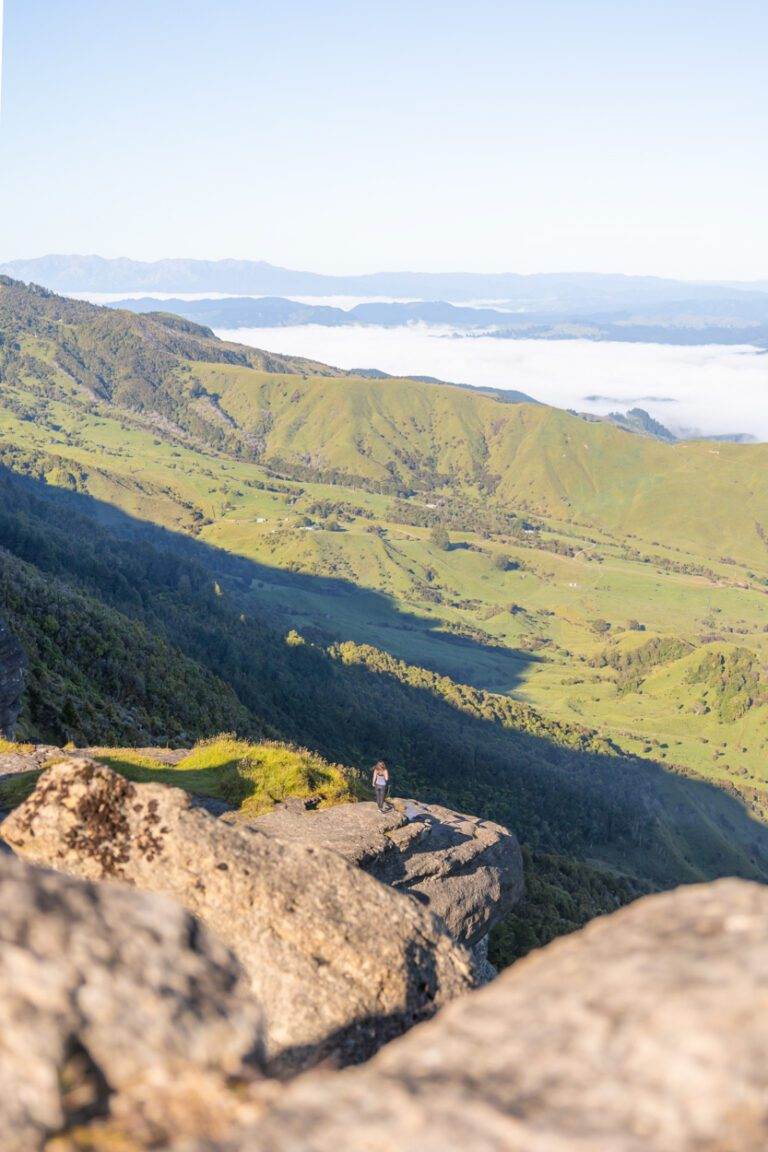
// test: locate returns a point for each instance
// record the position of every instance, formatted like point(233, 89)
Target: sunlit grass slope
point(528, 629)
point(710, 496)
point(320, 423)
point(249, 777)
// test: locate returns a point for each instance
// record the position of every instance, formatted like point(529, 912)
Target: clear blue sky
point(352, 135)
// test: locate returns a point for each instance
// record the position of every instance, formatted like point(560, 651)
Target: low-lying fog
point(709, 389)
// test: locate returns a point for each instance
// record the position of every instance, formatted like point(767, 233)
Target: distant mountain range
point(576, 292)
point(728, 320)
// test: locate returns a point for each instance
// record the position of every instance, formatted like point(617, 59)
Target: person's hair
point(379, 764)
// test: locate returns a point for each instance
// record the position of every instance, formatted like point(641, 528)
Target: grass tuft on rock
point(251, 777)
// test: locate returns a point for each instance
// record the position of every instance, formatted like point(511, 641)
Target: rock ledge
point(467, 870)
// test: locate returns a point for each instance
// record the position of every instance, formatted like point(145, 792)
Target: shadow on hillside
point(327, 609)
point(558, 787)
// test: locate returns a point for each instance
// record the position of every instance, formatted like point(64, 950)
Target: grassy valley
point(554, 623)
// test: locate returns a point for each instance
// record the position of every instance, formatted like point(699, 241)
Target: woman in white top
point(380, 783)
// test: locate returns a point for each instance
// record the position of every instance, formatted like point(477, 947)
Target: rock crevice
point(644, 1032)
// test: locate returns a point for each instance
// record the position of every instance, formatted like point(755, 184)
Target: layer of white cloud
point(707, 388)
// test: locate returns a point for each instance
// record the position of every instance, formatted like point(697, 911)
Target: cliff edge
point(467, 870)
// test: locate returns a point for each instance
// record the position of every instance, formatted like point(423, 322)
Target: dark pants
point(381, 795)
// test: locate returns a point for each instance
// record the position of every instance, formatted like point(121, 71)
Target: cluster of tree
point(561, 895)
point(683, 568)
point(338, 510)
point(733, 682)
point(633, 664)
point(310, 474)
point(459, 516)
point(97, 677)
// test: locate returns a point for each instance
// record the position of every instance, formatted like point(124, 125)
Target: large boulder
point(645, 1032)
point(12, 668)
point(467, 870)
point(113, 1002)
point(340, 963)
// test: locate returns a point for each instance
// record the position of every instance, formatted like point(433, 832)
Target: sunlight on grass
point(250, 777)
point(7, 747)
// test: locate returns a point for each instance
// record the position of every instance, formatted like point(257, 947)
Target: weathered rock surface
point(339, 962)
point(110, 1000)
point(645, 1032)
point(467, 870)
point(12, 667)
point(28, 758)
point(32, 757)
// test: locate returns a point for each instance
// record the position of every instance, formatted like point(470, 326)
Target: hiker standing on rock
point(380, 783)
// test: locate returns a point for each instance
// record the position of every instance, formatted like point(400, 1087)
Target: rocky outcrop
point(467, 870)
point(115, 1003)
point(340, 963)
point(645, 1032)
point(12, 667)
point(124, 1024)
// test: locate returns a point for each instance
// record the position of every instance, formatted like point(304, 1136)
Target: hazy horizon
point(360, 269)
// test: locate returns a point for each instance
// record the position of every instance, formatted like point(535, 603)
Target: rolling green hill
point(388, 435)
point(554, 623)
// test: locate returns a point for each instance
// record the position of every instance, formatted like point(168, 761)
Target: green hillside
point(534, 458)
point(550, 622)
point(388, 435)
